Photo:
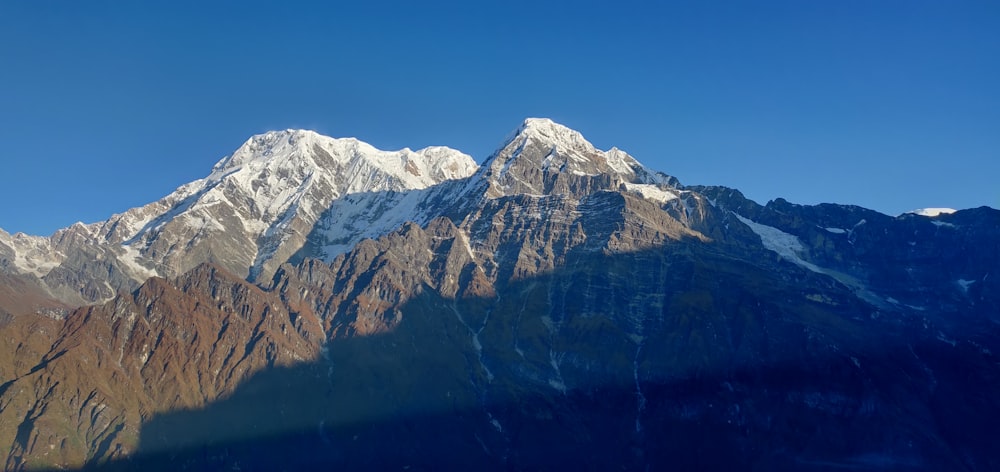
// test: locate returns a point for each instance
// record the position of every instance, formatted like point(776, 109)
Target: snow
point(932, 212)
point(965, 284)
point(547, 130)
point(268, 189)
point(277, 161)
point(569, 149)
point(279, 177)
point(836, 230)
point(32, 254)
point(942, 223)
point(359, 216)
point(790, 248)
point(786, 245)
point(651, 192)
point(547, 162)
point(131, 261)
point(619, 161)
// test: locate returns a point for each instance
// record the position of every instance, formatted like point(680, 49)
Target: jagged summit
point(309, 149)
point(543, 157)
point(254, 209)
point(549, 131)
point(267, 145)
point(265, 198)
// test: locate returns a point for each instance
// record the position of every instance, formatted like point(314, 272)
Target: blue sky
point(892, 105)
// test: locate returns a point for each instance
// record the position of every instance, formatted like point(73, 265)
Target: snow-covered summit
point(542, 157)
point(266, 146)
point(311, 150)
point(254, 209)
point(548, 131)
point(932, 212)
point(265, 198)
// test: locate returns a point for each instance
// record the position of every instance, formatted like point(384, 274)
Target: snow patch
point(789, 248)
point(33, 254)
point(651, 192)
point(131, 261)
point(836, 230)
point(619, 161)
point(932, 212)
point(964, 284)
point(786, 245)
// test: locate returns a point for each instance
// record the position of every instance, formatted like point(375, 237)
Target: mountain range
point(315, 302)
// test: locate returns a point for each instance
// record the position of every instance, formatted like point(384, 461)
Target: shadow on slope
point(728, 367)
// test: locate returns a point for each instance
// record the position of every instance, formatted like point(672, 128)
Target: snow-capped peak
point(262, 146)
point(554, 133)
point(267, 195)
point(311, 150)
point(932, 212)
point(543, 157)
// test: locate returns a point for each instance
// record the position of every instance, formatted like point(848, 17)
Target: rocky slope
point(559, 307)
point(80, 388)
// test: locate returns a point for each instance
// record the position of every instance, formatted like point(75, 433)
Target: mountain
point(557, 307)
point(250, 214)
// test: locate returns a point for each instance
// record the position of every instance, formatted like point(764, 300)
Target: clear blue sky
point(892, 105)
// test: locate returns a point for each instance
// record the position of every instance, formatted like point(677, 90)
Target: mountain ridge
point(272, 208)
point(557, 299)
point(261, 200)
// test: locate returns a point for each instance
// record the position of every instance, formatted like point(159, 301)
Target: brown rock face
point(20, 295)
point(78, 389)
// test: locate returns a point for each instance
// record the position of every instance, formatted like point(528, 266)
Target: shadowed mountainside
point(737, 369)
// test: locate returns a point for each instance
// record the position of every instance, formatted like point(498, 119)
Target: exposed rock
point(78, 390)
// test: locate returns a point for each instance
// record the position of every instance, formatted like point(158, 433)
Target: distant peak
point(285, 133)
point(550, 132)
point(540, 122)
point(932, 212)
point(265, 146)
point(544, 126)
point(260, 143)
point(291, 136)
